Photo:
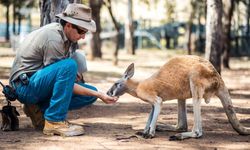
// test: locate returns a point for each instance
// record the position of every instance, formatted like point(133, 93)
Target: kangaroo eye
point(118, 85)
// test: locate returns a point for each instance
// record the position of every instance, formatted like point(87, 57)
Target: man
point(44, 74)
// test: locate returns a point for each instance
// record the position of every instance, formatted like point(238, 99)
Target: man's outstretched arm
point(80, 90)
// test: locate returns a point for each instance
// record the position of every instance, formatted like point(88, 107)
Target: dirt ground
point(114, 126)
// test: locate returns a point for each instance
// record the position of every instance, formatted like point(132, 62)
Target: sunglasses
point(79, 31)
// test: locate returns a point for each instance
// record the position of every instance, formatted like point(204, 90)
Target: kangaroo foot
point(185, 135)
point(145, 135)
point(166, 127)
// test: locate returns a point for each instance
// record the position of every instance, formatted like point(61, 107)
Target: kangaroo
point(182, 77)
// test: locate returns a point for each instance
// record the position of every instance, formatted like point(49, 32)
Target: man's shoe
point(62, 128)
point(35, 114)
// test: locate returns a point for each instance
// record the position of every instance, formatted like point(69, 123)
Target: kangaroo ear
point(129, 72)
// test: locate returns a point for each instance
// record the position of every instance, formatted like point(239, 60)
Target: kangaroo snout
point(109, 93)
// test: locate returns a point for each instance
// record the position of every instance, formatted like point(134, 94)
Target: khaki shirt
point(40, 48)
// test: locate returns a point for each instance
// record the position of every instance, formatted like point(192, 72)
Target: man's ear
point(129, 72)
point(67, 25)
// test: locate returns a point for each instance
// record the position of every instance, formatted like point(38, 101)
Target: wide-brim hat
point(80, 15)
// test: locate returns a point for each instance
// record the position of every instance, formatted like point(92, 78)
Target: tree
point(248, 17)
point(117, 28)
point(49, 8)
point(214, 33)
point(7, 4)
point(201, 11)
point(19, 14)
point(129, 30)
point(170, 7)
point(14, 16)
point(227, 18)
point(96, 42)
point(190, 24)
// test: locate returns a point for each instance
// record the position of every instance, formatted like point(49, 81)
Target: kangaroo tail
point(224, 96)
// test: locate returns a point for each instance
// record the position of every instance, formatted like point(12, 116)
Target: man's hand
point(80, 90)
point(108, 99)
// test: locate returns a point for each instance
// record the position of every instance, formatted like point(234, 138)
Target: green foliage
point(19, 3)
point(86, 2)
point(146, 2)
point(29, 3)
point(6, 2)
point(170, 6)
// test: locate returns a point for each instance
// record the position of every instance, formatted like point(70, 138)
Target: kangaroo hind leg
point(182, 120)
point(197, 94)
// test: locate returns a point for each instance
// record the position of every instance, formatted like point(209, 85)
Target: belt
point(18, 81)
point(15, 83)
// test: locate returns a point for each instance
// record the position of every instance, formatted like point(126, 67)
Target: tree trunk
point(45, 12)
point(7, 35)
point(198, 46)
point(214, 33)
point(189, 26)
point(57, 6)
point(49, 8)
point(227, 18)
point(129, 30)
point(19, 17)
point(96, 42)
point(14, 17)
point(19, 24)
point(75, 1)
point(29, 23)
point(248, 17)
point(117, 28)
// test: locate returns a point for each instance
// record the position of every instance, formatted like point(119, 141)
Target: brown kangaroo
point(182, 77)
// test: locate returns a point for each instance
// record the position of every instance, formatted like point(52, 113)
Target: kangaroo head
point(120, 86)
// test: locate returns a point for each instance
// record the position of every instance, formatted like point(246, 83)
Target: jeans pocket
point(25, 96)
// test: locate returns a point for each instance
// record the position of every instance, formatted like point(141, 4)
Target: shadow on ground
point(114, 126)
point(4, 72)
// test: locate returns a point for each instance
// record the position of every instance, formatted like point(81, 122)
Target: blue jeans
point(51, 88)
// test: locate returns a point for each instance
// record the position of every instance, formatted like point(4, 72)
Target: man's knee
point(92, 100)
point(93, 88)
point(70, 64)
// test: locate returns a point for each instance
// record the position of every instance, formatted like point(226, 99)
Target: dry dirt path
point(114, 126)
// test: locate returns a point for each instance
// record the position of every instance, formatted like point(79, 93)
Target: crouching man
point(44, 75)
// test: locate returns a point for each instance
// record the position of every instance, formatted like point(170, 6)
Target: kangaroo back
point(172, 81)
